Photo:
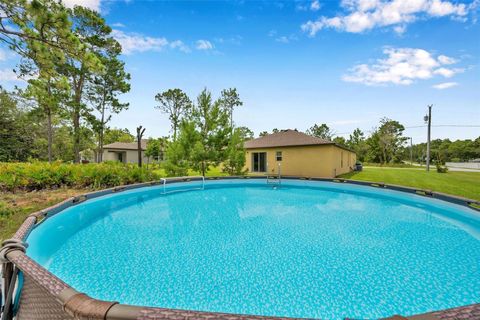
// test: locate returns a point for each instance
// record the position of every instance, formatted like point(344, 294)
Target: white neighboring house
point(126, 152)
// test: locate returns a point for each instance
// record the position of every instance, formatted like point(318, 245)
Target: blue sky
point(296, 63)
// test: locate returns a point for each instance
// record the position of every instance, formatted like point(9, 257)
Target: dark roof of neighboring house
point(288, 138)
point(126, 145)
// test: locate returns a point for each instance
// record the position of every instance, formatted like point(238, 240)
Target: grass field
point(465, 184)
point(15, 207)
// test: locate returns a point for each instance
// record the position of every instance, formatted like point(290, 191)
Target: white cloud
point(446, 60)
point(133, 42)
point(282, 39)
point(448, 73)
point(315, 5)
point(286, 39)
point(204, 45)
point(445, 85)
point(402, 66)
point(3, 55)
point(8, 75)
point(272, 33)
point(364, 15)
point(400, 29)
point(91, 4)
point(178, 44)
point(118, 25)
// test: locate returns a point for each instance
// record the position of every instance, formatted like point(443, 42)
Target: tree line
point(387, 144)
point(74, 76)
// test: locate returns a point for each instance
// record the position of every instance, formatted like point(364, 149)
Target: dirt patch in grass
point(15, 207)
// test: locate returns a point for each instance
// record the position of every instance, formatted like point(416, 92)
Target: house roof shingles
point(126, 145)
point(287, 138)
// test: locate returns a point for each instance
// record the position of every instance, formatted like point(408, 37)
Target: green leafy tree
point(229, 100)
point(156, 148)
point(386, 142)
point(180, 155)
point(16, 138)
point(390, 139)
point(356, 142)
point(89, 26)
point(211, 121)
point(117, 135)
point(321, 131)
point(235, 154)
point(104, 89)
point(246, 133)
point(40, 31)
point(48, 90)
point(176, 104)
point(263, 134)
point(340, 140)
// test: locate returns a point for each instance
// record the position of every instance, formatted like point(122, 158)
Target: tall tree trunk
point(76, 117)
point(76, 135)
point(49, 134)
point(100, 136)
point(140, 132)
point(231, 122)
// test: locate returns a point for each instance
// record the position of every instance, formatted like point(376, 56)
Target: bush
point(388, 165)
point(441, 169)
point(41, 175)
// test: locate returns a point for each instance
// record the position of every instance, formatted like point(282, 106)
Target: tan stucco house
point(298, 154)
point(126, 152)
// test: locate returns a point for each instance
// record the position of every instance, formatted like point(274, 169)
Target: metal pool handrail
point(186, 179)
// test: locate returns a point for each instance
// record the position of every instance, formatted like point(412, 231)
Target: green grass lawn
point(465, 184)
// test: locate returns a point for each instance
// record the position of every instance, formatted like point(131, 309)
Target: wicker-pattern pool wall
point(43, 296)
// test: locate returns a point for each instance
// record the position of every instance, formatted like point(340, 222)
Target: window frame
point(277, 156)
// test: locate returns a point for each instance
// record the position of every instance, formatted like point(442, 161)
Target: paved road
point(463, 169)
point(432, 168)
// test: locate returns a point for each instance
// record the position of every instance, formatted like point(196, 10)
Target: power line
point(447, 125)
point(423, 126)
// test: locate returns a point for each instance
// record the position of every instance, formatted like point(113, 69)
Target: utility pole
point(411, 151)
point(429, 119)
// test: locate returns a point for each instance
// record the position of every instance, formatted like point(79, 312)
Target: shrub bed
point(41, 175)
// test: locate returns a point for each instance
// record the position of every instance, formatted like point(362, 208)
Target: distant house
point(298, 154)
point(126, 152)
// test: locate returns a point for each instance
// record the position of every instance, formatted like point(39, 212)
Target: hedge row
point(41, 175)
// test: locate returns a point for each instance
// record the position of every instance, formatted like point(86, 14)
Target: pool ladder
point(275, 179)
point(185, 179)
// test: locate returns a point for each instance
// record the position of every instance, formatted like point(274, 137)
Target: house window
point(341, 160)
point(279, 155)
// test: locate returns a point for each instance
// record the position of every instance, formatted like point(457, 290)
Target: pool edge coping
point(81, 306)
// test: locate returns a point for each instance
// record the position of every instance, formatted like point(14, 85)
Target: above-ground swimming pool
point(301, 249)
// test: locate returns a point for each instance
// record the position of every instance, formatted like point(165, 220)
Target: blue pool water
point(306, 249)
